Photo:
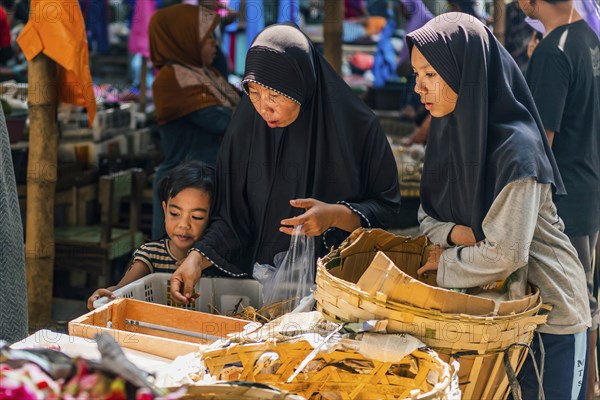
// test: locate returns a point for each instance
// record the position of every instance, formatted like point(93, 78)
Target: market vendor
point(486, 192)
point(301, 148)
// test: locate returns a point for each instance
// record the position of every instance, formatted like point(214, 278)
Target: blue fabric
point(565, 367)
point(384, 64)
point(378, 8)
point(130, 7)
point(255, 20)
point(196, 136)
point(289, 11)
point(95, 14)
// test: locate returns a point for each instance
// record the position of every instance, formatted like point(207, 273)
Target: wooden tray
point(154, 328)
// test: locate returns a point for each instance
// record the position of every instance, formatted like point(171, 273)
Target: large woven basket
point(479, 342)
point(419, 375)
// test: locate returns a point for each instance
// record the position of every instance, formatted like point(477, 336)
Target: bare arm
point(550, 135)
point(136, 271)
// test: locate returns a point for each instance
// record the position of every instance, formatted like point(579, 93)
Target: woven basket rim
point(435, 314)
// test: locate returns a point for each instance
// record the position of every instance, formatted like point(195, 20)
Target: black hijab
point(334, 151)
point(493, 137)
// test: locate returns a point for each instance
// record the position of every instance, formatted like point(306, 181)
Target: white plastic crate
point(217, 295)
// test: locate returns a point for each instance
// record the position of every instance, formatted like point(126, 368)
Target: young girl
point(186, 195)
point(486, 192)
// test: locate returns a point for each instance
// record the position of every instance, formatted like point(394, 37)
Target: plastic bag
point(293, 276)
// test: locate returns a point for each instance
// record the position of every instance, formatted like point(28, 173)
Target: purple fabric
point(588, 9)
point(419, 16)
point(138, 38)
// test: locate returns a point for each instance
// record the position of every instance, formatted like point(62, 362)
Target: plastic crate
point(217, 295)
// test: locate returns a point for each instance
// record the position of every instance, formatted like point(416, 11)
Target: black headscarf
point(334, 151)
point(493, 137)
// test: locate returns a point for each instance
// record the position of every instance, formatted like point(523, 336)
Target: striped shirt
point(157, 256)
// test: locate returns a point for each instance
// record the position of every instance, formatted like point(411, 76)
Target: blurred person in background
point(564, 78)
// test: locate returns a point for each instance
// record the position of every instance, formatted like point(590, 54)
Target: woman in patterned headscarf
point(193, 101)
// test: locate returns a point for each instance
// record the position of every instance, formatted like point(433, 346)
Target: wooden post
point(332, 33)
point(41, 184)
point(499, 20)
point(143, 88)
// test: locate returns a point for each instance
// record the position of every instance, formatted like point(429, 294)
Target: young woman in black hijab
point(301, 148)
point(487, 187)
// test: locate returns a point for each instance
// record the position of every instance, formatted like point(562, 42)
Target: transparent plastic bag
point(293, 276)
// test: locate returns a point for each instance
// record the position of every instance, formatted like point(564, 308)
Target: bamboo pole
point(332, 33)
point(41, 183)
point(500, 20)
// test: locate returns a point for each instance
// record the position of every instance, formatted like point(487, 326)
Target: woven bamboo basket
point(419, 375)
point(479, 342)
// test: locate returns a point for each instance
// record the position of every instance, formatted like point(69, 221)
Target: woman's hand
point(433, 259)
point(185, 277)
point(319, 217)
point(461, 235)
point(98, 294)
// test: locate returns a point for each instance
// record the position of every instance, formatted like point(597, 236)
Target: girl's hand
point(319, 217)
point(98, 294)
point(185, 277)
point(433, 259)
point(461, 235)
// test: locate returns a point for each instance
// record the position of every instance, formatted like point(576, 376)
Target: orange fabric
point(56, 28)
point(374, 25)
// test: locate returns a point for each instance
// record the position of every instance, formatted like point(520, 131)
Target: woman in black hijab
point(487, 187)
point(301, 148)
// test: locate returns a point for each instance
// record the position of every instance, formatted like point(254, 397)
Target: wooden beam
point(332, 33)
point(143, 86)
point(500, 20)
point(41, 184)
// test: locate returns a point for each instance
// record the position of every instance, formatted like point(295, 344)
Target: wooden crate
point(154, 328)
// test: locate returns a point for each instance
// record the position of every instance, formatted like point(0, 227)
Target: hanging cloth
point(384, 65)
point(138, 37)
point(13, 288)
point(289, 11)
point(95, 14)
point(61, 36)
point(255, 20)
point(418, 15)
point(251, 17)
